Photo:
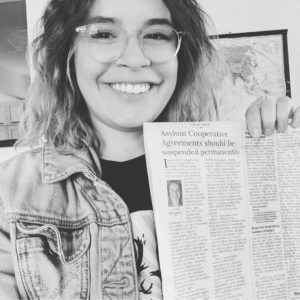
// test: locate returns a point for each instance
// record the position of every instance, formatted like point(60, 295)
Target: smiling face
point(131, 90)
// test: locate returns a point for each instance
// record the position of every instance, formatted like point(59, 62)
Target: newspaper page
point(227, 211)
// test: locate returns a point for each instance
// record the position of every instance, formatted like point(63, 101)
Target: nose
point(133, 56)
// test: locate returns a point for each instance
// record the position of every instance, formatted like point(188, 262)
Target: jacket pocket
point(53, 261)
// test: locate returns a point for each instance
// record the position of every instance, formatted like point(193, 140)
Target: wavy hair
point(55, 107)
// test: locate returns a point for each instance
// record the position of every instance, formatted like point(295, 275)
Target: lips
point(131, 88)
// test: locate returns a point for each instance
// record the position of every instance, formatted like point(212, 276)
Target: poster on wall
point(257, 67)
point(14, 72)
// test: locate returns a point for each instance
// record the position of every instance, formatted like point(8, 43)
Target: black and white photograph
point(149, 149)
point(174, 193)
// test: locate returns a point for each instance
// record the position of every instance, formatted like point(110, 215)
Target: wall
point(14, 76)
point(260, 15)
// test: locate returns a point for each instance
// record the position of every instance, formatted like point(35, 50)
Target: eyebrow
point(158, 21)
point(100, 19)
point(153, 21)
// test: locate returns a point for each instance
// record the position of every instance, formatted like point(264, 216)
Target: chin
point(135, 123)
point(129, 126)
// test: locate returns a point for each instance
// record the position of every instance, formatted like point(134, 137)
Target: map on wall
point(257, 67)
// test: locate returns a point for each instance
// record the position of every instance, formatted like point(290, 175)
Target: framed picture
point(14, 73)
point(257, 65)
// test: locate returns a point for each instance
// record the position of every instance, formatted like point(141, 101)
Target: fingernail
point(282, 127)
point(268, 131)
point(256, 133)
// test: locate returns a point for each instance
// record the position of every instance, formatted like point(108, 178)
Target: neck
point(119, 145)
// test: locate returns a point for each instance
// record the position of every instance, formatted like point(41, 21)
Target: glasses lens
point(105, 42)
point(160, 43)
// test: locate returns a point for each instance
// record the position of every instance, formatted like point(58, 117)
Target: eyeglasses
point(107, 42)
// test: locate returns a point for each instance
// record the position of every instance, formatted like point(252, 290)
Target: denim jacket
point(64, 233)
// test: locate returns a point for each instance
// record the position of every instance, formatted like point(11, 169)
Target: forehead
point(174, 185)
point(130, 13)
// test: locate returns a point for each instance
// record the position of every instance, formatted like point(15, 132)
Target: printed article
point(227, 210)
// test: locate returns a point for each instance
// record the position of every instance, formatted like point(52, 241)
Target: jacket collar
point(57, 166)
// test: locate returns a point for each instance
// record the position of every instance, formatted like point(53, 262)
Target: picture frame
point(262, 37)
point(257, 64)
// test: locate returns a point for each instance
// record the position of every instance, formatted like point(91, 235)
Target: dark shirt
point(129, 180)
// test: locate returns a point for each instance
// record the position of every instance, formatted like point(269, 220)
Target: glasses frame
point(82, 30)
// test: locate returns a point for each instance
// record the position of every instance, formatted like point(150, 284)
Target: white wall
point(232, 16)
point(34, 9)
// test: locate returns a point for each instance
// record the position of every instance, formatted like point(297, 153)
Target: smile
point(130, 88)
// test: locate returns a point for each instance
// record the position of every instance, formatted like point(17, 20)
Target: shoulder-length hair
point(55, 106)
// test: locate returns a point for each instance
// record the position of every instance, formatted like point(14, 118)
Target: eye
point(102, 32)
point(157, 36)
point(102, 35)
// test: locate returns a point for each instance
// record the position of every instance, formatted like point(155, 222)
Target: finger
point(268, 115)
point(296, 118)
point(254, 120)
point(283, 111)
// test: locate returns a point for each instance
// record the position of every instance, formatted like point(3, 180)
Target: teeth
point(131, 88)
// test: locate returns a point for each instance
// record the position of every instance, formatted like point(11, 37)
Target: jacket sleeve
point(8, 285)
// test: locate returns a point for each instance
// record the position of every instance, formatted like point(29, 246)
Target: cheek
point(81, 68)
point(87, 70)
point(80, 59)
point(169, 75)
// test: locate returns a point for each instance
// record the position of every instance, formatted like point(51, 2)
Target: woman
point(104, 67)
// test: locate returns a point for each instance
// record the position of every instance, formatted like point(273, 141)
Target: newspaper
point(227, 210)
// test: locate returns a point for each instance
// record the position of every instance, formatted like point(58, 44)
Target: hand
point(265, 115)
